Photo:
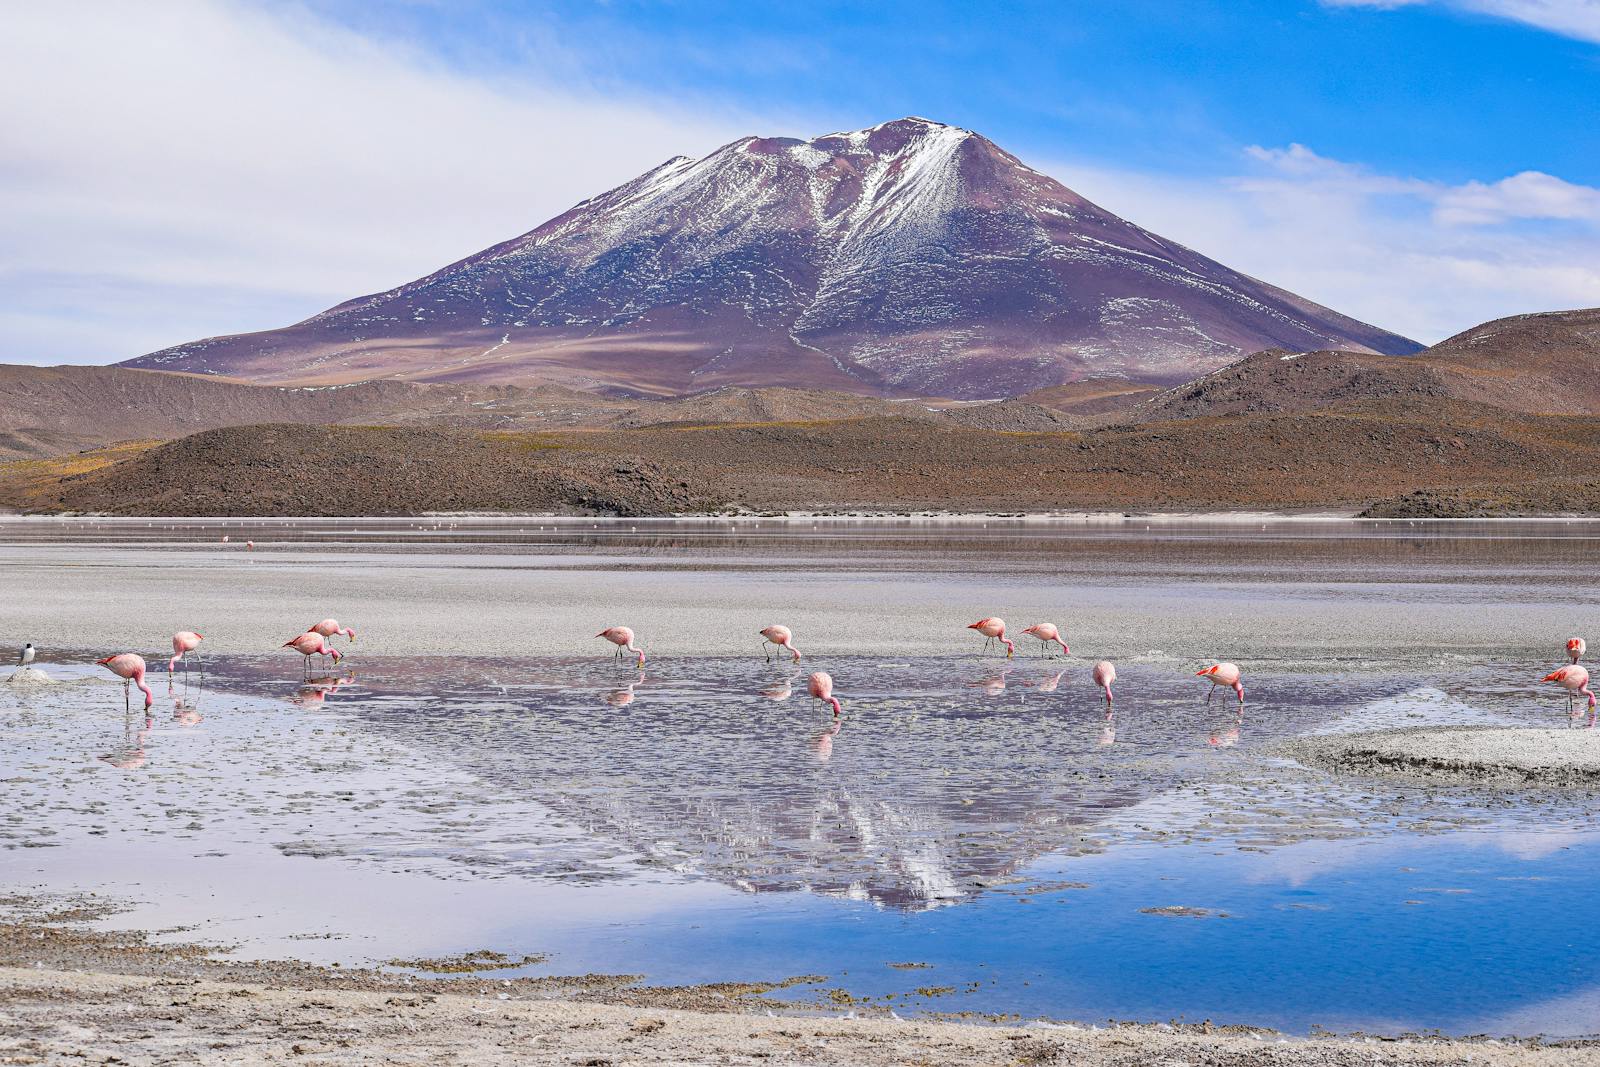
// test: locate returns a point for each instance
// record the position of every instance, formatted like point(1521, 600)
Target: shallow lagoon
point(691, 823)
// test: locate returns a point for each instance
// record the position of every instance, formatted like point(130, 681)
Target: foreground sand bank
point(1494, 756)
point(60, 1016)
point(839, 596)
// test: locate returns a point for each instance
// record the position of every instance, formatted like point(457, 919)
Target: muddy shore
point(69, 995)
point(1467, 755)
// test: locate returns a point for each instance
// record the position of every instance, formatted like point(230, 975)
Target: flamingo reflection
point(994, 685)
point(822, 744)
point(782, 689)
point(1227, 735)
point(623, 695)
point(314, 691)
point(130, 755)
point(1048, 683)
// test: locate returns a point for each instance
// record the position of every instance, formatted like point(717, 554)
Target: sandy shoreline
point(839, 595)
point(54, 1016)
point(70, 995)
point(1496, 757)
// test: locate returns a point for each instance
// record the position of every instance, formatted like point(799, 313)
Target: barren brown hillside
point(1348, 460)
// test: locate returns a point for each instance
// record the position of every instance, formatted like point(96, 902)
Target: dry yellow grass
point(31, 483)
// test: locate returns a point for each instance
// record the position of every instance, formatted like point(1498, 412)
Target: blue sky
point(193, 167)
point(1431, 90)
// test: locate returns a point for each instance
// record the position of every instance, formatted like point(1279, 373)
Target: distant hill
point(909, 259)
point(1547, 363)
point(46, 411)
point(1386, 458)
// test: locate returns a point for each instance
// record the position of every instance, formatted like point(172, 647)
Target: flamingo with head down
point(994, 629)
point(622, 637)
point(1046, 632)
point(821, 687)
point(130, 668)
point(1222, 675)
point(331, 628)
point(183, 643)
point(1105, 673)
point(1575, 680)
point(781, 636)
point(310, 644)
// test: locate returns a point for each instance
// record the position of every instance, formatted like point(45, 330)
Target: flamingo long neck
point(149, 697)
point(1010, 647)
point(1107, 688)
point(172, 664)
point(835, 702)
point(790, 646)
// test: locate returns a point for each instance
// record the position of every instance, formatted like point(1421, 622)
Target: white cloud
point(178, 169)
point(1422, 258)
point(1529, 195)
point(222, 167)
point(1570, 18)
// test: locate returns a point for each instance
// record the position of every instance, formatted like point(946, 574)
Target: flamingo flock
point(131, 667)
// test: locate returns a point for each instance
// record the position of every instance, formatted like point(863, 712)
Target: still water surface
point(985, 820)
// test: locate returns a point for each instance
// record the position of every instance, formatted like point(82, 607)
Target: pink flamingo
point(130, 668)
point(622, 637)
point(183, 643)
point(821, 686)
point(1575, 680)
point(1225, 675)
point(1047, 632)
point(1105, 672)
point(310, 644)
point(331, 628)
point(1576, 648)
point(780, 636)
point(994, 629)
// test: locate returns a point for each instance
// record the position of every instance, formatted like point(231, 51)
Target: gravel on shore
point(1497, 756)
point(57, 1016)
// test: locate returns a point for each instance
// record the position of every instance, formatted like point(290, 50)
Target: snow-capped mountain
point(912, 258)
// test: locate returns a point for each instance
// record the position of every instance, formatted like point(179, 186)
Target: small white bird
point(25, 657)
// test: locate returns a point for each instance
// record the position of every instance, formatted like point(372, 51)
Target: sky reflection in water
point(703, 820)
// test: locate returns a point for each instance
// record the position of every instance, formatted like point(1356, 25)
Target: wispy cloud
point(1424, 258)
point(212, 166)
point(170, 171)
point(1579, 19)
